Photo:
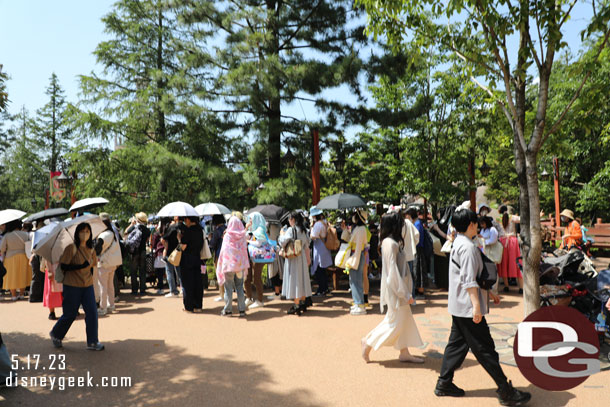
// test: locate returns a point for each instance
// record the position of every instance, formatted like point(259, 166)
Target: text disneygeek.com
point(65, 382)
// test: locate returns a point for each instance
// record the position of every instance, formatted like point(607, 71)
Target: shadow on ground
point(160, 375)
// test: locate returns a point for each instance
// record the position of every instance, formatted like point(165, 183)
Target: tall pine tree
point(274, 53)
point(52, 127)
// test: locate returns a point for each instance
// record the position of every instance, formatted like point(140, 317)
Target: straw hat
point(568, 214)
point(363, 214)
point(104, 216)
point(142, 218)
point(238, 215)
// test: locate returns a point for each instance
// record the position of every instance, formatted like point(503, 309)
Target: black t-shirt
point(192, 237)
point(171, 237)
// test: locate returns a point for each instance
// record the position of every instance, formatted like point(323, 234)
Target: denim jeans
point(234, 283)
point(172, 273)
point(73, 298)
point(421, 268)
point(356, 282)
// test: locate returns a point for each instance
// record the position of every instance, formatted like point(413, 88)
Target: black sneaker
point(509, 396)
point(242, 314)
point(56, 342)
point(224, 313)
point(448, 389)
point(95, 346)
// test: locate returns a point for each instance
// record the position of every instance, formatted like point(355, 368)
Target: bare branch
point(565, 18)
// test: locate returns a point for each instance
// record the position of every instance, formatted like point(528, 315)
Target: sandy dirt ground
point(268, 359)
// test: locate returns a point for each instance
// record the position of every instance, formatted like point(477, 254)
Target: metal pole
point(557, 198)
point(473, 185)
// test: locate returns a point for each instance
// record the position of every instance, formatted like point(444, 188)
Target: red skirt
point(50, 298)
point(508, 267)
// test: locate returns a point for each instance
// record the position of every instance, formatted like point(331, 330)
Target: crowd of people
point(408, 253)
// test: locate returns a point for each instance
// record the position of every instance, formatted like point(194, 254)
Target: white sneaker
point(256, 304)
point(218, 299)
point(358, 311)
point(249, 302)
point(170, 294)
point(101, 312)
point(111, 308)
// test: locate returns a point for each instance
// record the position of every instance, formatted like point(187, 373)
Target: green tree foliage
point(23, 175)
point(480, 39)
point(3, 91)
point(148, 98)
point(52, 127)
point(424, 135)
point(275, 54)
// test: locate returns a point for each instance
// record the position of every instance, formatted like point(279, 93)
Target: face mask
point(354, 219)
point(484, 212)
point(83, 235)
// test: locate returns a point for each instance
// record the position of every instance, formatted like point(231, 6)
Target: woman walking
point(77, 262)
point(232, 266)
point(297, 285)
point(191, 243)
point(398, 328)
point(258, 227)
point(18, 270)
point(356, 262)
point(508, 265)
point(110, 258)
point(321, 255)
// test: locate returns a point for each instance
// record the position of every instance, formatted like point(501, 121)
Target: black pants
point(322, 280)
point(192, 282)
point(138, 272)
point(421, 268)
point(159, 273)
point(37, 284)
point(465, 335)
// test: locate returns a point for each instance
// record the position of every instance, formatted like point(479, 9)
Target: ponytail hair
point(505, 220)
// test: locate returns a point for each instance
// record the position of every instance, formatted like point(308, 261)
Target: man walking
point(468, 307)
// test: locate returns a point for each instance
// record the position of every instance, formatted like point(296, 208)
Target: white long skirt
point(397, 329)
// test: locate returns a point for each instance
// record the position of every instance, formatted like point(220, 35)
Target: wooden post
point(557, 198)
point(473, 185)
point(315, 168)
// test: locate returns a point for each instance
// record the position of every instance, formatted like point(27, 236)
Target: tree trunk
point(161, 136)
point(274, 131)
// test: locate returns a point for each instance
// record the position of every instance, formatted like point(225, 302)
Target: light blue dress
point(321, 255)
point(296, 282)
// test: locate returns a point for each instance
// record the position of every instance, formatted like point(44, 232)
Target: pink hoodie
point(233, 255)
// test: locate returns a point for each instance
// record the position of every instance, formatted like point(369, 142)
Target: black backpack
point(488, 276)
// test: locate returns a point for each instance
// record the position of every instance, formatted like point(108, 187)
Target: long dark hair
point(80, 227)
point(391, 226)
point(163, 228)
point(298, 218)
point(14, 225)
point(486, 222)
